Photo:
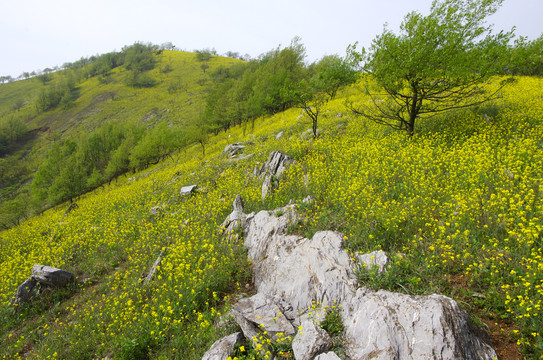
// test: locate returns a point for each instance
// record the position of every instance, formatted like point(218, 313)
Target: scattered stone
point(279, 135)
point(151, 273)
point(310, 341)
point(233, 150)
point(188, 190)
point(272, 170)
point(156, 210)
point(276, 164)
point(308, 200)
point(223, 348)
point(51, 276)
point(376, 258)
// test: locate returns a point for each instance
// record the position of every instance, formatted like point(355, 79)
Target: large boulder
point(42, 275)
point(386, 325)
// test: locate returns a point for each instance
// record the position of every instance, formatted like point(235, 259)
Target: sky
point(37, 34)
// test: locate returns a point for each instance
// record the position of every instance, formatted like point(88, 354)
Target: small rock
point(308, 199)
point(310, 341)
point(156, 210)
point(279, 135)
point(375, 258)
point(223, 348)
point(188, 190)
point(233, 150)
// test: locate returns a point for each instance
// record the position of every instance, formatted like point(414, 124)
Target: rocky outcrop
point(223, 348)
point(233, 150)
point(43, 275)
point(292, 274)
point(272, 170)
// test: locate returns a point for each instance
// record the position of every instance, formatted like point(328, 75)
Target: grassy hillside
point(31, 121)
point(461, 201)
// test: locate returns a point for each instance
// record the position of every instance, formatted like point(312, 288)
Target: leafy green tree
point(139, 57)
point(333, 73)
point(436, 63)
point(527, 57)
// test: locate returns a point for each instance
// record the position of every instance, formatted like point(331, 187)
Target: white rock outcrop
point(293, 274)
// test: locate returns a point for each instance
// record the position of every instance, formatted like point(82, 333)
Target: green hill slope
point(72, 104)
point(461, 201)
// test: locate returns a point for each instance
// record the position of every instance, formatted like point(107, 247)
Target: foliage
point(436, 63)
point(527, 57)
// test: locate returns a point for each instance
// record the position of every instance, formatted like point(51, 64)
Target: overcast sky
point(36, 34)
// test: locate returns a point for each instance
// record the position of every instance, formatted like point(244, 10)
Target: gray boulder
point(25, 291)
point(310, 341)
point(386, 325)
point(51, 276)
point(223, 348)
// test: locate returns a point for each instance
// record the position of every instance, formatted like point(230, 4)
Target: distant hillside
point(106, 91)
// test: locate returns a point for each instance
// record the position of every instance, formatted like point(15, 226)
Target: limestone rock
point(328, 356)
point(236, 220)
point(276, 164)
point(310, 341)
point(296, 269)
point(385, 325)
point(188, 190)
point(233, 150)
point(263, 314)
point(223, 348)
point(272, 170)
point(279, 135)
point(51, 276)
point(151, 273)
